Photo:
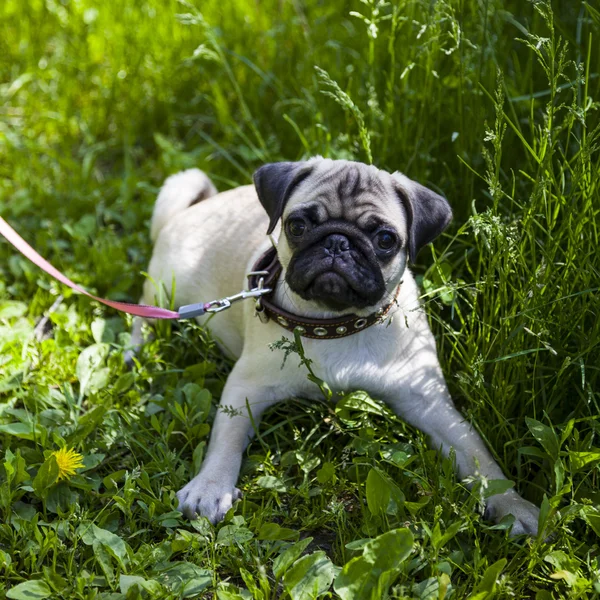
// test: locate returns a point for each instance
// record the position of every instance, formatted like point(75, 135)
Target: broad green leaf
point(252, 586)
point(273, 531)
point(27, 431)
point(113, 543)
point(29, 590)
point(101, 332)
point(581, 459)
point(532, 451)
point(309, 577)
point(282, 563)
point(358, 544)
point(545, 435)
point(559, 474)
point(444, 583)
point(309, 463)
point(561, 560)
point(24, 511)
point(487, 585)
point(428, 589)
point(47, 476)
point(14, 465)
point(200, 370)
point(497, 486)
point(5, 559)
point(185, 578)
point(60, 497)
point(566, 566)
point(103, 559)
point(380, 489)
point(362, 402)
point(415, 507)
point(105, 543)
point(370, 575)
point(326, 473)
point(86, 424)
point(268, 482)
point(357, 579)
point(153, 587)
point(11, 309)
point(124, 382)
point(90, 369)
point(127, 581)
point(592, 516)
point(199, 399)
point(230, 535)
point(19, 330)
point(378, 493)
point(91, 460)
point(390, 549)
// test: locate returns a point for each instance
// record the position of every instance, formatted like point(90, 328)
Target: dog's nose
point(336, 244)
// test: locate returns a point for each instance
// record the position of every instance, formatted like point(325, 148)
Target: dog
point(340, 235)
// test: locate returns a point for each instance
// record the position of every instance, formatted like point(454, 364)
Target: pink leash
point(140, 310)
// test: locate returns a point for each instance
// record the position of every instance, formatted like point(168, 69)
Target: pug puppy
point(343, 232)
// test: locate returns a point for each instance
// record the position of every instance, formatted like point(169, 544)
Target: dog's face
point(347, 228)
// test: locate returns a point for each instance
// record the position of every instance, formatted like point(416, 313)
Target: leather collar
point(268, 268)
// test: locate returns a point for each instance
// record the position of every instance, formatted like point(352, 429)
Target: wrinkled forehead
point(348, 191)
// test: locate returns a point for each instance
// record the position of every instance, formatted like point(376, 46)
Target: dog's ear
point(428, 213)
point(274, 184)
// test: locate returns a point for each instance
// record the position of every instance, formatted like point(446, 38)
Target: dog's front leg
point(423, 400)
point(212, 492)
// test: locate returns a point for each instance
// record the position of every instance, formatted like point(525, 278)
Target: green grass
point(494, 103)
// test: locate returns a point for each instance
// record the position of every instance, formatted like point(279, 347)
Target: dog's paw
point(525, 513)
point(205, 497)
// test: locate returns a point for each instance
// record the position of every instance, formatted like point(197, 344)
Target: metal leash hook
point(215, 306)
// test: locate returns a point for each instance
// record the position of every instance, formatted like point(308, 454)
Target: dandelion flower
point(67, 461)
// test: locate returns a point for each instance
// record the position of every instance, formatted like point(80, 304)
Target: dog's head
point(347, 228)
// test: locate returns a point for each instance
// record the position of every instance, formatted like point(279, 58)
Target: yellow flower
point(67, 461)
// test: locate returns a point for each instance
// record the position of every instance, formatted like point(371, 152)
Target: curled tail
point(180, 191)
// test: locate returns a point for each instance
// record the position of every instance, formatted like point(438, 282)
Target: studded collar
point(268, 268)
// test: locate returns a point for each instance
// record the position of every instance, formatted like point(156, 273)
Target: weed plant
point(494, 103)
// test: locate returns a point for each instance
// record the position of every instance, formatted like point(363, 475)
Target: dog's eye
point(385, 240)
point(296, 227)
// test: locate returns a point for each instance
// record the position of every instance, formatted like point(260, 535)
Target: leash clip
point(216, 306)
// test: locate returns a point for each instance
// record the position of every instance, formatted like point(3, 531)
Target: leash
point(261, 282)
point(139, 310)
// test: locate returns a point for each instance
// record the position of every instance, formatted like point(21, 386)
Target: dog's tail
point(180, 191)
